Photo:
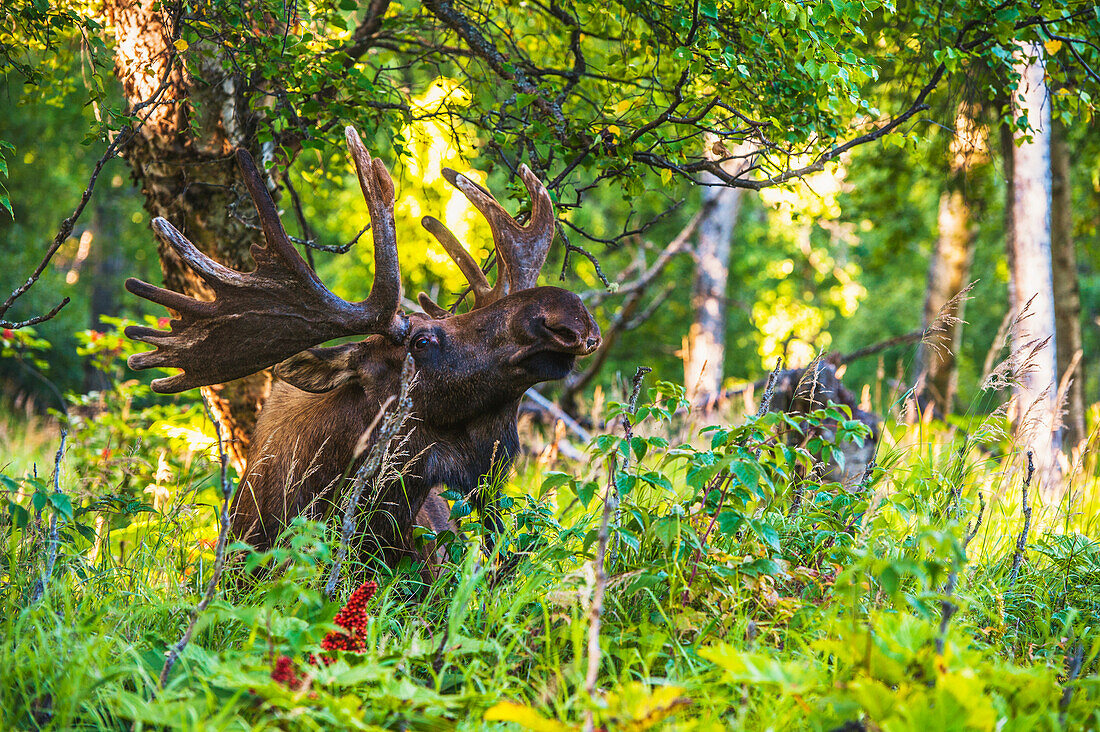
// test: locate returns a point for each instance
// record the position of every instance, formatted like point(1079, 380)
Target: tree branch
point(66, 228)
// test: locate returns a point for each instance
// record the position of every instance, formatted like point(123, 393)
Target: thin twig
point(372, 466)
point(626, 319)
point(874, 348)
point(1075, 655)
point(308, 242)
point(624, 419)
point(947, 609)
point(51, 557)
point(1021, 541)
point(628, 431)
point(610, 504)
point(972, 532)
point(228, 489)
point(724, 482)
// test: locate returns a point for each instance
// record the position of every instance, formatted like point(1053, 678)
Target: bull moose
point(471, 368)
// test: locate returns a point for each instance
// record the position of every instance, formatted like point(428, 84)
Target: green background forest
point(732, 584)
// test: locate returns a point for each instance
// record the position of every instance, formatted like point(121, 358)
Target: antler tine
point(480, 286)
point(262, 317)
point(521, 250)
point(378, 191)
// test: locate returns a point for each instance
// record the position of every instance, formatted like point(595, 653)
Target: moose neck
point(306, 439)
point(458, 456)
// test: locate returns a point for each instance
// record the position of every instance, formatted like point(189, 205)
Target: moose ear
point(318, 370)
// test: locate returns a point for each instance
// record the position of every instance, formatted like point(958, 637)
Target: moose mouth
point(554, 359)
point(548, 365)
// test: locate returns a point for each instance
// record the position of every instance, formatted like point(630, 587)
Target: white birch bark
point(1037, 383)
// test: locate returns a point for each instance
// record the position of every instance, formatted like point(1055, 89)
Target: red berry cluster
point(286, 673)
point(352, 618)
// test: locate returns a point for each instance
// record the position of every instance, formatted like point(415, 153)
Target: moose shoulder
point(471, 368)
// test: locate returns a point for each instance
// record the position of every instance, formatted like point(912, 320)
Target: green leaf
point(586, 491)
point(555, 479)
point(748, 474)
point(889, 580)
point(624, 483)
point(760, 566)
point(657, 480)
point(629, 539)
point(460, 509)
point(667, 530)
point(62, 504)
point(606, 443)
point(19, 515)
point(765, 532)
point(729, 522)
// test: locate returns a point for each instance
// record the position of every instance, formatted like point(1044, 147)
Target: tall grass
point(724, 608)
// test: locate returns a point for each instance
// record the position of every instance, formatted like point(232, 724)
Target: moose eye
point(421, 341)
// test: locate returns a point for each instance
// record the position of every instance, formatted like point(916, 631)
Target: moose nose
point(570, 334)
point(567, 333)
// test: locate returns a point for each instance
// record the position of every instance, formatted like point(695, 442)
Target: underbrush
point(742, 591)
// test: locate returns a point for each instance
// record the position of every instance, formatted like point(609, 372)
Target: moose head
point(471, 368)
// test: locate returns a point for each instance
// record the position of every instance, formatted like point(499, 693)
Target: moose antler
point(262, 317)
point(521, 250)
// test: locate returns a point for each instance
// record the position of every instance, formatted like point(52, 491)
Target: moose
point(471, 369)
point(801, 391)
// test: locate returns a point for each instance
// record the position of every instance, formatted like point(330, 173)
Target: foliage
point(745, 591)
point(727, 607)
point(831, 264)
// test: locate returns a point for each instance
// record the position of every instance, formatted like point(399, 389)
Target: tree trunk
point(948, 273)
point(1033, 286)
point(1067, 295)
point(704, 349)
point(182, 156)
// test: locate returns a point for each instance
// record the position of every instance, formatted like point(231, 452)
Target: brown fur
point(801, 391)
point(470, 377)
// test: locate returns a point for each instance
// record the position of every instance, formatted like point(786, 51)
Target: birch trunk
point(1067, 294)
point(1033, 287)
point(704, 350)
point(183, 159)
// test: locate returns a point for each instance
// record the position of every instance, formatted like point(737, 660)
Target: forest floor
point(740, 593)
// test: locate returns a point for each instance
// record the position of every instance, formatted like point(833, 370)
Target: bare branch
point(874, 348)
point(445, 11)
point(227, 489)
point(51, 558)
point(369, 471)
point(1021, 541)
point(66, 228)
point(625, 319)
point(558, 413)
